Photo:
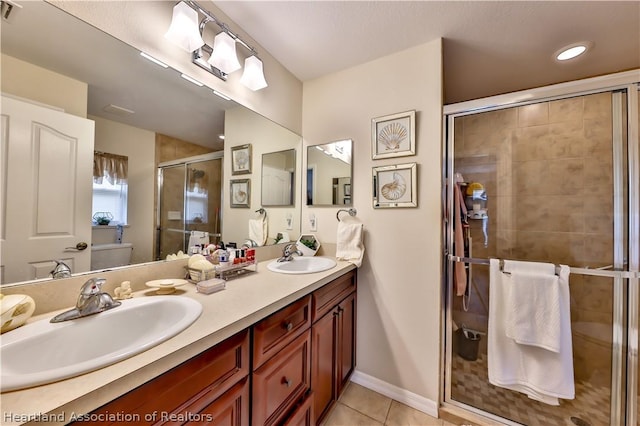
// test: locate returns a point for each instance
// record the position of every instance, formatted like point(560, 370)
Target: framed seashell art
point(393, 135)
point(240, 193)
point(395, 186)
point(241, 159)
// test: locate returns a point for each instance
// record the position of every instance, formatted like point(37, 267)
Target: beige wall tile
point(533, 115)
point(566, 110)
point(549, 177)
point(559, 213)
point(597, 106)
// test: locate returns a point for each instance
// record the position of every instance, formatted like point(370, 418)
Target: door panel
point(47, 203)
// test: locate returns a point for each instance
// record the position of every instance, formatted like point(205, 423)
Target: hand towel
point(541, 374)
point(350, 243)
point(460, 273)
point(534, 301)
point(198, 238)
point(258, 230)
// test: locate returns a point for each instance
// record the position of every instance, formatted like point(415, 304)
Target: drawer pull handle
point(288, 326)
point(287, 382)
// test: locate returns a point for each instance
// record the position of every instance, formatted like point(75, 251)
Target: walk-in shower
point(551, 179)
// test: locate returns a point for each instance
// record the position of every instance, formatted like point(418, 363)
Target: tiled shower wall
point(547, 171)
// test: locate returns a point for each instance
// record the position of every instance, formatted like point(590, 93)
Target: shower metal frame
point(628, 82)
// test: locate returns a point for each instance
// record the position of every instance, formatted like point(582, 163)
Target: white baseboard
point(404, 396)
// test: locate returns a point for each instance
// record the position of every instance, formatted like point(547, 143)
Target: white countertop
point(245, 301)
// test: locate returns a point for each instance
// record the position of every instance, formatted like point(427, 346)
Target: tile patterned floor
point(470, 385)
point(361, 406)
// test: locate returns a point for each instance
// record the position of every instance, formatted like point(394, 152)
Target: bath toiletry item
point(308, 244)
point(223, 257)
point(16, 310)
point(251, 255)
point(243, 255)
point(195, 259)
point(237, 258)
point(124, 291)
point(166, 286)
point(211, 286)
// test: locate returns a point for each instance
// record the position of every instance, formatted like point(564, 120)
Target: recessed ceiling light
point(221, 137)
point(572, 51)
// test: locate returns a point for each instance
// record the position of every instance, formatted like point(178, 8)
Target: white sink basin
point(302, 265)
point(42, 352)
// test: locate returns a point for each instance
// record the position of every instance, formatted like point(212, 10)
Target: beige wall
point(142, 24)
point(399, 282)
point(29, 81)
point(264, 136)
point(138, 145)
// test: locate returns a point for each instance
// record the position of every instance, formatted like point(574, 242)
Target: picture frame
point(393, 135)
point(395, 186)
point(240, 193)
point(241, 159)
point(347, 189)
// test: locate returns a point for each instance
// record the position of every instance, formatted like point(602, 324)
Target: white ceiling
point(490, 47)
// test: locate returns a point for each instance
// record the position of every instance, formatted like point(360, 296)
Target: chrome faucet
point(288, 251)
point(61, 270)
point(90, 301)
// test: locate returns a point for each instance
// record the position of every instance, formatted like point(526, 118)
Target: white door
point(276, 187)
point(47, 169)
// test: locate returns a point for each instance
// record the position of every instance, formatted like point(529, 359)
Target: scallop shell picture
point(241, 159)
point(392, 135)
point(394, 189)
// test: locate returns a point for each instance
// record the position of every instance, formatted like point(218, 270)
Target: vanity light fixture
point(191, 80)
point(571, 51)
point(224, 56)
point(154, 60)
point(183, 30)
point(221, 59)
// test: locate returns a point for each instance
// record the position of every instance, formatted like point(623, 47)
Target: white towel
point(350, 243)
point(534, 302)
point(541, 374)
point(198, 238)
point(258, 230)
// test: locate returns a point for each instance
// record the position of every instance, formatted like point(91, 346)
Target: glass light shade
point(183, 30)
point(224, 55)
point(253, 75)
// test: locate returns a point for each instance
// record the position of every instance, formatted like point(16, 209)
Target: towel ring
point(262, 211)
point(352, 212)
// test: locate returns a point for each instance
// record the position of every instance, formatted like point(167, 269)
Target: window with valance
point(110, 175)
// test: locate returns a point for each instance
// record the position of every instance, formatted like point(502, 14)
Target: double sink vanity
point(274, 347)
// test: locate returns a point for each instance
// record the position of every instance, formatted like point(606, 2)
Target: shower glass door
point(190, 196)
point(545, 182)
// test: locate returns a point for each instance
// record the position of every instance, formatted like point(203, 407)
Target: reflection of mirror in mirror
point(278, 178)
point(139, 110)
point(329, 171)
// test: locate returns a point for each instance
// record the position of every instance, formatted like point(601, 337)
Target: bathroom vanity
point(270, 349)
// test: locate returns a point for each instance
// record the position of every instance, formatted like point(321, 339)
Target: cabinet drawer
point(303, 414)
point(231, 409)
point(192, 385)
point(277, 330)
point(325, 298)
point(281, 382)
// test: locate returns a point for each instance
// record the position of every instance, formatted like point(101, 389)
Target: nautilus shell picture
point(240, 193)
point(395, 189)
point(240, 196)
point(392, 135)
point(395, 186)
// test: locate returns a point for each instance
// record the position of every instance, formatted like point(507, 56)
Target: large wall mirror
point(139, 110)
point(329, 172)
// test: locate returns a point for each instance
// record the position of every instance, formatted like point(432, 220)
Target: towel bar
point(262, 211)
point(579, 271)
point(352, 212)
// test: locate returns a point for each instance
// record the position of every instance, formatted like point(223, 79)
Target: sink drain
point(579, 422)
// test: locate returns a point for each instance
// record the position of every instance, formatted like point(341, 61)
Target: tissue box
point(308, 244)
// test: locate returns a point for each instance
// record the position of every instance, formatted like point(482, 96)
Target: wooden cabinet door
point(346, 341)
point(323, 346)
point(303, 415)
